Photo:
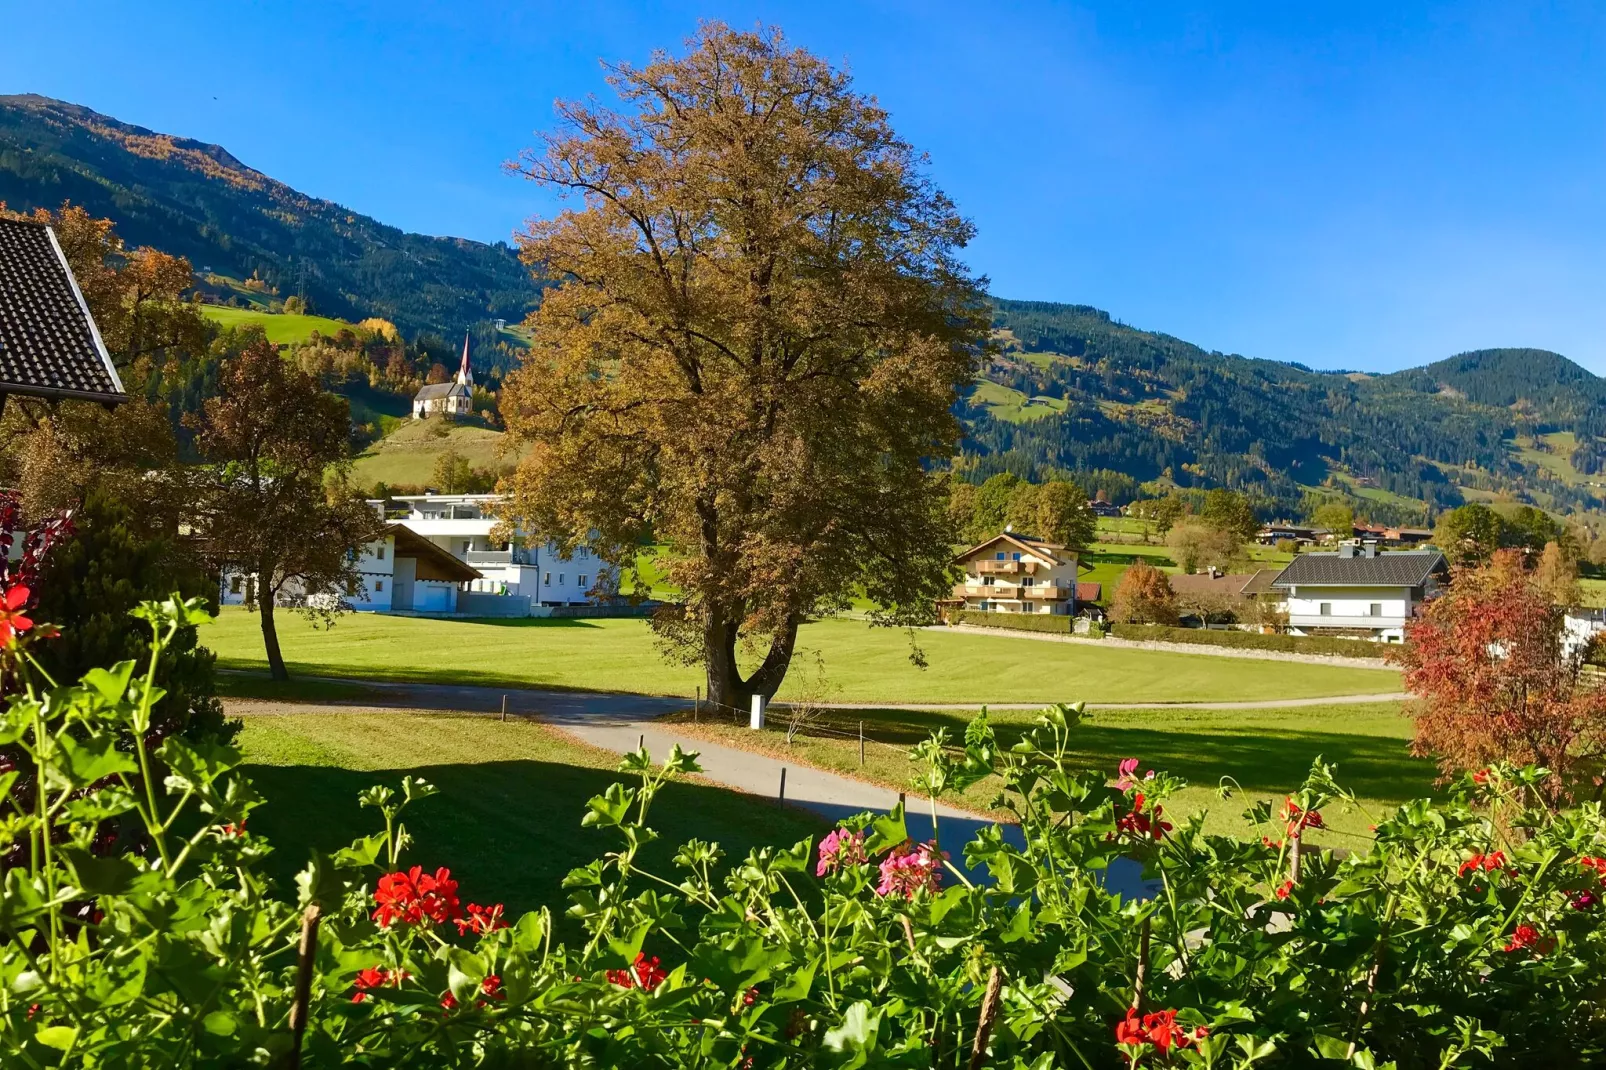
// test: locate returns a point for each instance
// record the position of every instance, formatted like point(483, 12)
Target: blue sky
point(1349, 185)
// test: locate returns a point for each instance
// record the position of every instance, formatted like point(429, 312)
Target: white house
point(400, 572)
point(1358, 592)
point(1012, 573)
point(455, 398)
point(463, 526)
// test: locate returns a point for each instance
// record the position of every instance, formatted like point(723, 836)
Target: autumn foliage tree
point(756, 328)
point(259, 501)
point(1492, 682)
point(1143, 595)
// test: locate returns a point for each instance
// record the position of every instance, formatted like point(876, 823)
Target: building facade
point(1012, 573)
point(465, 526)
point(399, 572)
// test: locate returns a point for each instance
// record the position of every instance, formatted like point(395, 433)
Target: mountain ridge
point(1071, 388)
point(198, 200)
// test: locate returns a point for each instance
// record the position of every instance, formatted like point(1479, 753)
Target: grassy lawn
point(863, 664)
point(507, 819)
point(278, 327)
point(1268, 752)
point(407, 455)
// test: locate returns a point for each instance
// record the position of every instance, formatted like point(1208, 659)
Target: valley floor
point(862, 664)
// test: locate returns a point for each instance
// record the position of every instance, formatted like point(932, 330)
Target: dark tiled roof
point(1260, 583)
point(440, 390)
point(1088, 592)
point(48, 343)
point(1408, 569)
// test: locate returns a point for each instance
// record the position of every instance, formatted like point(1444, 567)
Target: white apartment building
point(1359, 592)
point(462, 525)
point(400, 572)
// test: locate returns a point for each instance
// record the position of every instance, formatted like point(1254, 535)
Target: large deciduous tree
point(1488, 667)
point(261, 505)
point(756, 326)
point(1143, 595)
point(1056, 511)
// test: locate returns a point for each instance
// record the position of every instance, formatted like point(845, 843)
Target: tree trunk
point(726, 687)
point(270, 638)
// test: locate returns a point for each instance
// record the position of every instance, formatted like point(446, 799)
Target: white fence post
point(756, 720)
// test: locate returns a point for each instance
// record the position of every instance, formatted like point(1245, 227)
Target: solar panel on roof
point(49, 346)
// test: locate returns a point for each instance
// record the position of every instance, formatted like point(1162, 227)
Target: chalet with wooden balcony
point(1012, 573)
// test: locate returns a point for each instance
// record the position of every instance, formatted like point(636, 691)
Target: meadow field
point(862, 664)
point(507, 819)
point(279, 327)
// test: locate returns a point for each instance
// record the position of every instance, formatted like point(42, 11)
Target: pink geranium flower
point(909, 868)
point(842, 847)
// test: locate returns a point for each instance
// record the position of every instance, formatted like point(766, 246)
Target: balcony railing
point(985, 568)
point(1010, 592)
point(1316, 620)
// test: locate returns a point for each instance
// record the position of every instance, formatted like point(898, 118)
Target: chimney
point(1346, 549)
point(1369, 548)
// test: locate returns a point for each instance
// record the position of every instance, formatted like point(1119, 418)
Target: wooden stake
point(504, 709)
point(1294, 852)
point(641, 741)
point(783, 783)
point(698, 708)
point(1143, 966)
point(305, 957)
point(861, 743)
point(989, 1011)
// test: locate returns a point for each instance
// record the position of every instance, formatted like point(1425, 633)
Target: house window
point(560, 579)
point(379, 553)
point(1015, 557)
point(983, 605)
point(1000, 555)
point(1327, 609)
point(581, 580)
point(1027, 581)
point(987, 580)
point(548, 579)
point(1377, 609)
point(379, 586)
point(234, 584)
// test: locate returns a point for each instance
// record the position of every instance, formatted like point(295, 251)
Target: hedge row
point(1059, 624)
point(1294, 644)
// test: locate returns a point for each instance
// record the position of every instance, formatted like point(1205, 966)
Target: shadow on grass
point(509, 831)
point(1259, 758)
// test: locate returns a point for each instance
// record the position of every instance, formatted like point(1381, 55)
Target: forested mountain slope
point(1074, 389)
point(1071, 388)
point(196, 200)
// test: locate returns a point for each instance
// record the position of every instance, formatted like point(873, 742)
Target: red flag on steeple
point(465, 376)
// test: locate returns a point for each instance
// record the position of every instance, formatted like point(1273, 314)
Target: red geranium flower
point(1596, 864)
point(644, 973)
point(1285, 890)
point(1159, 1029)
point(376, 977)
point(1481, 776)
point(481, 919)
point(1299, 819)
point(415, 897)
point(12, 621)
point(1494, 860)
point(1527, 938)
point(1140, 824)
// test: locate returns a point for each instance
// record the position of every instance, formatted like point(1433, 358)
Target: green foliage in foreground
point(1469, 934)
